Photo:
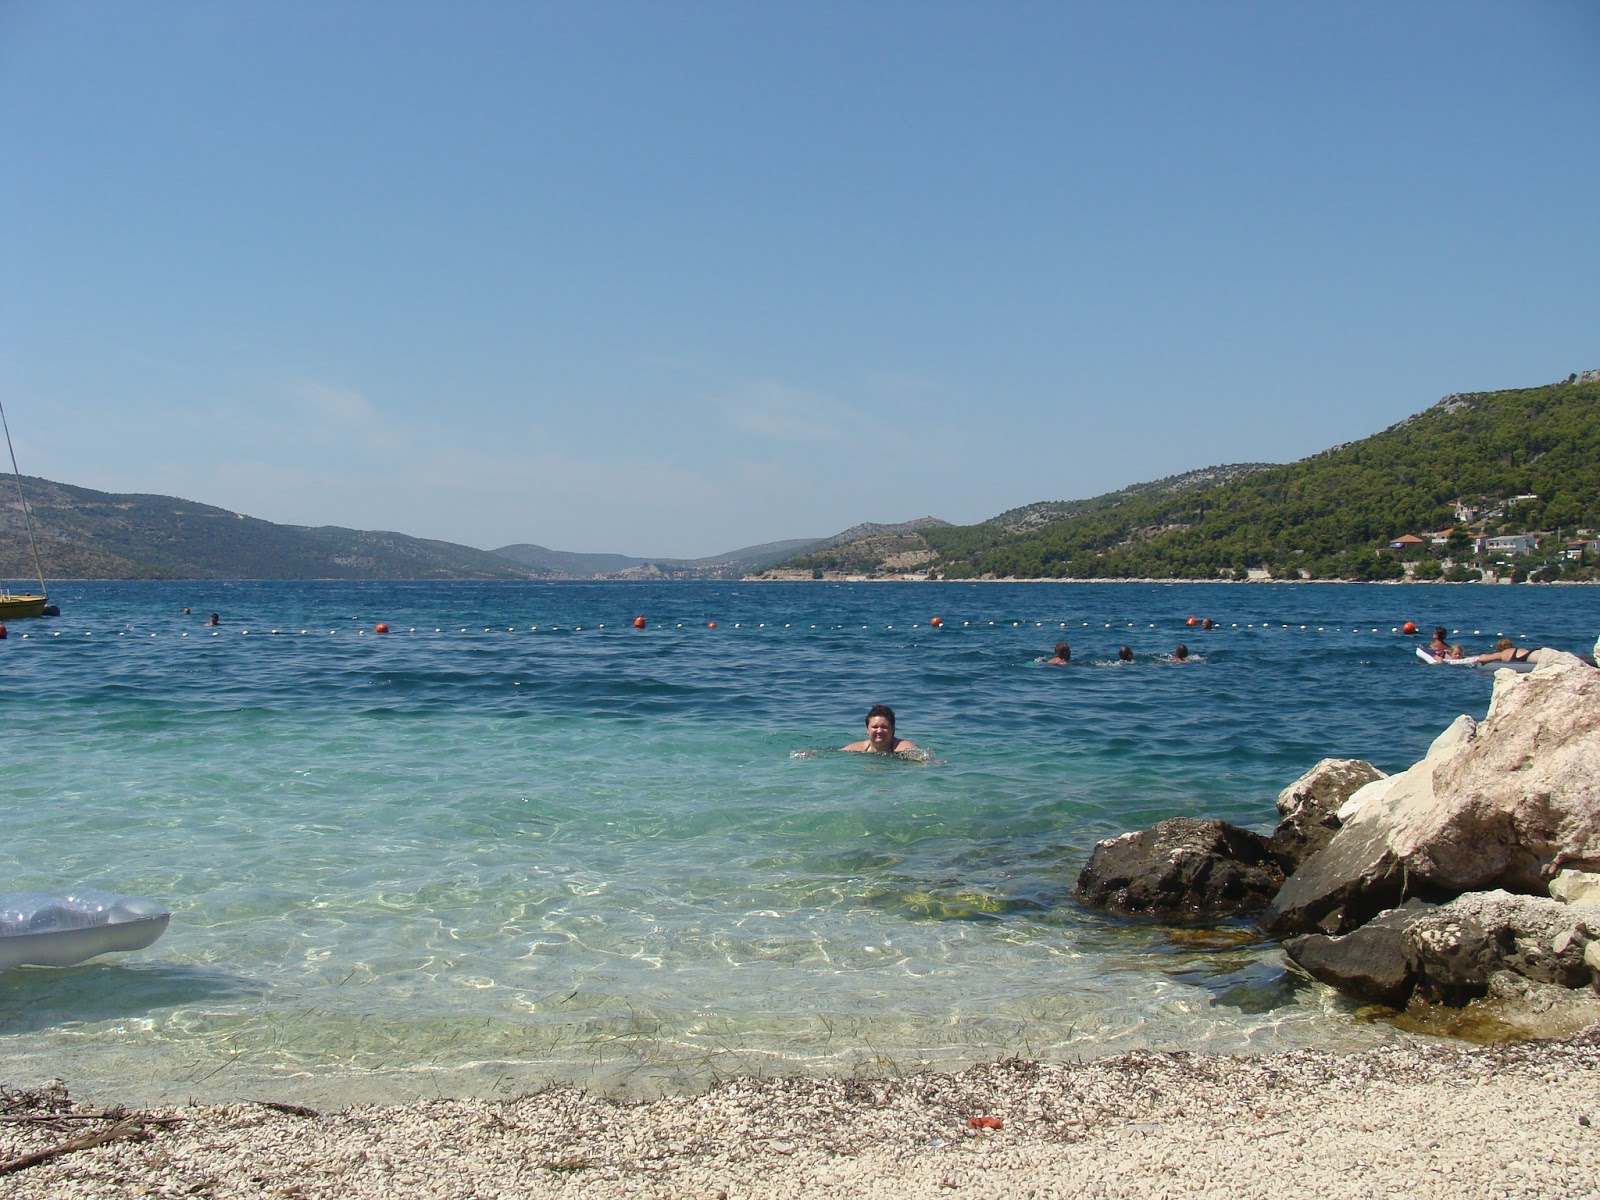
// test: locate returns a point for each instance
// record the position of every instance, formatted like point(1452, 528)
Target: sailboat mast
point(27, 516)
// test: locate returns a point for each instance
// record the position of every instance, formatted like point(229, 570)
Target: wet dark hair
point(1063, 650)
point(881, 710)
point(1438, 634)
point(1126, 654)
point(1182, 652)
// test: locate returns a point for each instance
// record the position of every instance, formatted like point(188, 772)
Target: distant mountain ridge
point(735, 564)
point(87, 534)
point(1521, 459)
point(568, 564)
point(868, 529)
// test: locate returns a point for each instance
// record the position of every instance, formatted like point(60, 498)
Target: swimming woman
point(881, 738)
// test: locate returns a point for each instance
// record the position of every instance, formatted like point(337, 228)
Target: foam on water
point(493, 848)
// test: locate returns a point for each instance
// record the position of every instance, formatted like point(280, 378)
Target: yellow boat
point(21, 606)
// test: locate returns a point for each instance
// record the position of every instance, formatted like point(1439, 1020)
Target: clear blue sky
point(668, 279)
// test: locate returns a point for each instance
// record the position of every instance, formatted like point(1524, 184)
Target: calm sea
point(517, 840)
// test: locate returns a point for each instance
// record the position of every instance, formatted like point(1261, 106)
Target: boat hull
point(22, 606)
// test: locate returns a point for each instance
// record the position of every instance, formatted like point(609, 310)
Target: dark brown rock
point(1186, 868)
point(1370, 963)
point(1454, 953)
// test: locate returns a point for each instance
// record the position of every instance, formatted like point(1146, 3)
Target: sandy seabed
point(1422, 1121)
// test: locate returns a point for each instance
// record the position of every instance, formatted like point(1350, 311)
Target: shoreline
point(1148, 580)
point(841, 578)
point(1432, 1119)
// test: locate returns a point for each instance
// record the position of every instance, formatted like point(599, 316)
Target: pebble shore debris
point(1433, 1119)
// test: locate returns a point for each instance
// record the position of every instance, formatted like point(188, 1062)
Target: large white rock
point(1507, 803)
point(1576, 887)
point(1519, 800)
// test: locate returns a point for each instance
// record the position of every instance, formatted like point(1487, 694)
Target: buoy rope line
point(937, 625)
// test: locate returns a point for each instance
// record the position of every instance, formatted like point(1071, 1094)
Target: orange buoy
point(638, 622)
point(1192, 621)
point(380, 627)
point(936, 621)
point(1409, 627)
point(711, 624)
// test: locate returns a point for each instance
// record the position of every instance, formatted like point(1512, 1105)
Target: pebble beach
point(1434, 1119)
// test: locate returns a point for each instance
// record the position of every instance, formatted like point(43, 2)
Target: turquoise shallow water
point(517, 840)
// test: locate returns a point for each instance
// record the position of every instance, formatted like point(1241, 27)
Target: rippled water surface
point(516, 839)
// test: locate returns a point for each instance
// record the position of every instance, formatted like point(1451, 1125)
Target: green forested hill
point(1328, 516)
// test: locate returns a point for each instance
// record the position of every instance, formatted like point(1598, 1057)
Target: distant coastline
point(767, 578)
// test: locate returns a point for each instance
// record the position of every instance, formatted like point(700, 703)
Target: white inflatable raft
point(43, 930)
point(1497, 664)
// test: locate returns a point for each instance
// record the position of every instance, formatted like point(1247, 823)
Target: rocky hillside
point(1521, 460)
point(1047, 512)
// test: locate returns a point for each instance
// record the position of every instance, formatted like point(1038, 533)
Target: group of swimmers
point(1063, 655)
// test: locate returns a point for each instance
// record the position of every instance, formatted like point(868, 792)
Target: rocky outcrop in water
point(1451, 953)
point(1474, 874)
point(1193, 869)
point(1184, 868)
point(1471, 875)
point(1508, 804)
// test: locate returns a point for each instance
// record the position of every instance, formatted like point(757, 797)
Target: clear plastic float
point(41, 929)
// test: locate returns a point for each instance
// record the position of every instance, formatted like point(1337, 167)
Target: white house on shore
point(1511, 543)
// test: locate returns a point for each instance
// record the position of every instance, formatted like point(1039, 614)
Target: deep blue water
point(516, 839)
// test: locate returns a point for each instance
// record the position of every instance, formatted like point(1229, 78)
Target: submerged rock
point(1186, 868)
